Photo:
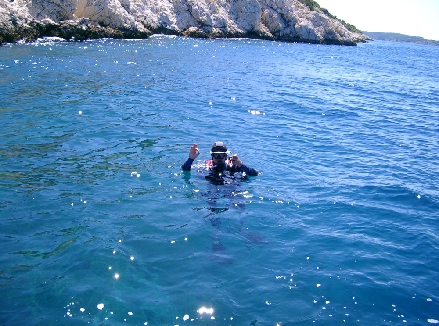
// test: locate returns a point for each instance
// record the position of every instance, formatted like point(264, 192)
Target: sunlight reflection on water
point(97, 216)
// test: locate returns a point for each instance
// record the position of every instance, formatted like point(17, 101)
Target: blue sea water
point(99, 225)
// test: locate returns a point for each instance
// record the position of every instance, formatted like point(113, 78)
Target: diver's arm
point(193, 154)
point(248, 170)
point(238, 166)
point(187, 165)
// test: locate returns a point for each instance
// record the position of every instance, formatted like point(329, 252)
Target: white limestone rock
point(287, 20)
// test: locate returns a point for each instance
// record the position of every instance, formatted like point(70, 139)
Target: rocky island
point(282, 20)
point(398, 37)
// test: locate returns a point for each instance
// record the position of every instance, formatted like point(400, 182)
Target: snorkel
point(219, 166)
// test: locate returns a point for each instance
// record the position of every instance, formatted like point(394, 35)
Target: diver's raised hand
point(235, 160)
point(194, 152)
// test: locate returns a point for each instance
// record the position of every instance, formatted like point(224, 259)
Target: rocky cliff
point(284, 20)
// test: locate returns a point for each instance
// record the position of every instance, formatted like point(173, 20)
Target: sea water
point(99, 225)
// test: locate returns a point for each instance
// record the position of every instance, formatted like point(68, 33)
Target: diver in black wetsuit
point(221, 171)
point(219, 163)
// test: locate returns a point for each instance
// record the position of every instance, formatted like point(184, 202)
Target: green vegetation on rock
point(312, 5)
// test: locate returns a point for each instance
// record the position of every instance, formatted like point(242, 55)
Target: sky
point(410, 17)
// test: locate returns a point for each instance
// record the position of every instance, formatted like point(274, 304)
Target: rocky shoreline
point(281, 20)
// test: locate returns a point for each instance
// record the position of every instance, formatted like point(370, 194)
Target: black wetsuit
point(216, 173)
point(224, 167)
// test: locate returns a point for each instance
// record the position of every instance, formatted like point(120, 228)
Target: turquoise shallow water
point(99, 224)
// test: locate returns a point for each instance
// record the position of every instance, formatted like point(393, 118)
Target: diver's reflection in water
point(224, 193)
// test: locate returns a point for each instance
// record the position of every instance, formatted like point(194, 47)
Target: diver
point(220, 163)
point(227, 172)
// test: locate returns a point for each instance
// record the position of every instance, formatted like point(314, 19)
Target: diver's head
point(219, 153)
